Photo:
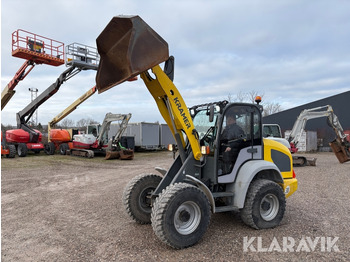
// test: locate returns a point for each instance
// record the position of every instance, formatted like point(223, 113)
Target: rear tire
point(12, 151)
point(50, 148)
point(22, 150)
point(137, 197)
point(264, 205)
point(181, 215)
point(63, 148)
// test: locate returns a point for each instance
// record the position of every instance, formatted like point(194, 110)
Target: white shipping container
point(165, 136)
point(146, 134)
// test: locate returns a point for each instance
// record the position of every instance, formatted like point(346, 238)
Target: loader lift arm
point(118, 65)
point(173, 109)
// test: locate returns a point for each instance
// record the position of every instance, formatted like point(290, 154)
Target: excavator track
point(304, 161)
point(82, 153)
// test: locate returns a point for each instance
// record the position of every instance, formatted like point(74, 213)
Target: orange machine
point(61, 139)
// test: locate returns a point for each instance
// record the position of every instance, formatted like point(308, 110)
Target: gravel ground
point(61, 208)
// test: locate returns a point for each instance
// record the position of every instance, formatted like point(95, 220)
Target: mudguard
point(247, 173)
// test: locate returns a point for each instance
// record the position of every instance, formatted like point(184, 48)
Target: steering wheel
point(209, 137)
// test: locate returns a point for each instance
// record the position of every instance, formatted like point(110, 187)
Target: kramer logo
point(182, 113)
point(289, 244)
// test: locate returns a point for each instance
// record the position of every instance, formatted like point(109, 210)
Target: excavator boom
point(340, 145)
point(129, 47)
point(87, 145)
point(109, 118)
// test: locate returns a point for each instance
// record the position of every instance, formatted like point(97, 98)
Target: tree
point(40, 127)
point(85, 122)
point(67, 123)
point(7, 127)
point(249, 97)
point(271, 108)
point(82, 122)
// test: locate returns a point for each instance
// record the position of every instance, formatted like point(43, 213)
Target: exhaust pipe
point(127, 47)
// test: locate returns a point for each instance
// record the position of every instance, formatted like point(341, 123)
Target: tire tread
point(253, 191)
point(127, 194)
point(161, 205)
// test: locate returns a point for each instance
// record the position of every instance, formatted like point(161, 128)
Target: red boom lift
point(35, 49)
point(26, 138)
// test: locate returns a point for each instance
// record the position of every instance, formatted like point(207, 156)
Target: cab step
point(223, 194)
point(225, 209)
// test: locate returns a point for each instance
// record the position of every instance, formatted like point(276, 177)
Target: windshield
point(271, 130)
point(201, 122)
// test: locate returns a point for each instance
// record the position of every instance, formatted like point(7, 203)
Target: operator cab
point(233, 137)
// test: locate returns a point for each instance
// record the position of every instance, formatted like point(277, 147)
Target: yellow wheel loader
point(255, 177)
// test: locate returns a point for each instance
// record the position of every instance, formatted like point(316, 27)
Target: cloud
point(293, 52)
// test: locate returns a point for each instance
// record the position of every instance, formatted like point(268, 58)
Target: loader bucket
point(127, 47)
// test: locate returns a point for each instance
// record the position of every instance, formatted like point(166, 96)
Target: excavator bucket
point(127, 47)
point(123, 154)
point(112, 155)
point(127, 154)
point(341, 151)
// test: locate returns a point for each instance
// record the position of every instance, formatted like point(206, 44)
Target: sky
point(291, 51)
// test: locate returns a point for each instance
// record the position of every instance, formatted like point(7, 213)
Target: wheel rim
point(20, 150)
point(187, 218)
point(269, 207)
point(145, 199)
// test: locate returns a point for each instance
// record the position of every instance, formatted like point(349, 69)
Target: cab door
point(239, 139)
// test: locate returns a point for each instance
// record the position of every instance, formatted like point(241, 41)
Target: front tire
point(22, 150)
point(264, 205)
point(50, 148)
point(137, 197)
point(181, 215)
point(63, 148)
